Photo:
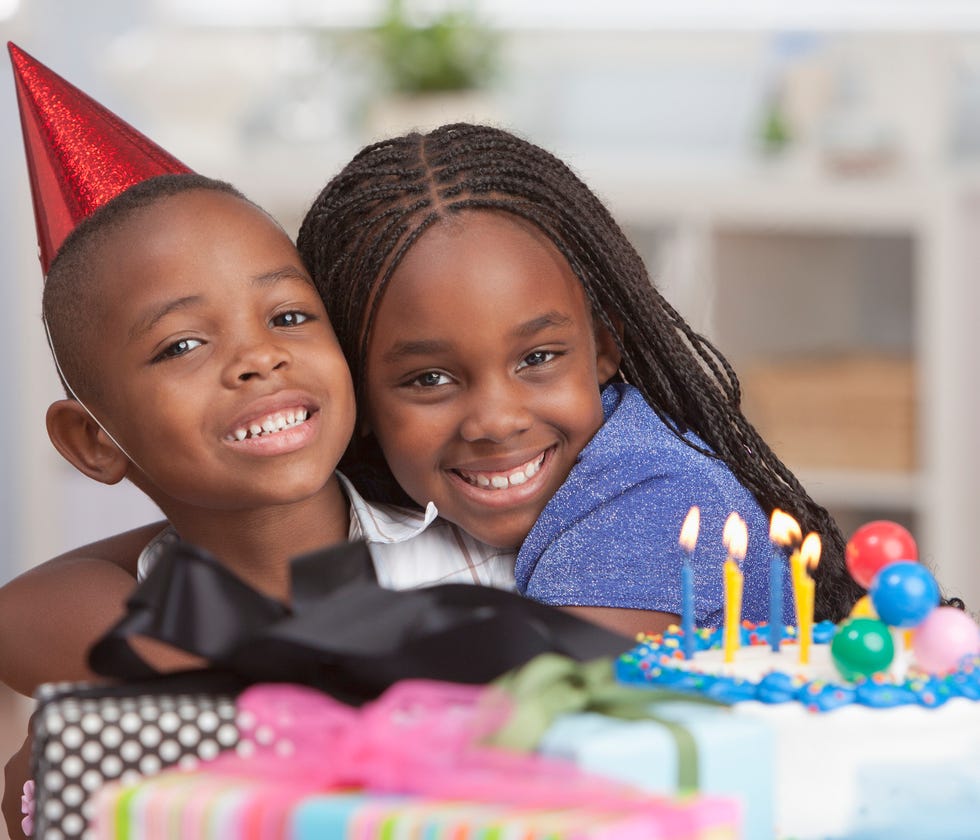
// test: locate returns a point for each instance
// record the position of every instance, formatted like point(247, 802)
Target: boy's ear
point(608, 356)
point(83, 444)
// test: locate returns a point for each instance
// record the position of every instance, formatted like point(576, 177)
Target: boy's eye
point(430, 379)
point(290, 319)
point(179, 348)
point(538, 357)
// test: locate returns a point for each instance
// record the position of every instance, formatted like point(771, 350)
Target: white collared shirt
point(410, 548)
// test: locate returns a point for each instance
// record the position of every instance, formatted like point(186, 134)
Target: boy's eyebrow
point(266, 278)
point(428, 347)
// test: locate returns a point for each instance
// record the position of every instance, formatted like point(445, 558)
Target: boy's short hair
point(71, 301)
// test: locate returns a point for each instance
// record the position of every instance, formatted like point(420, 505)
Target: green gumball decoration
point(862, 647)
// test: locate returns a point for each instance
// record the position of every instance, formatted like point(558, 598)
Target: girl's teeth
point(501, 482)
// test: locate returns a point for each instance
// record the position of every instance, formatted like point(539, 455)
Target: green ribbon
point(551, 685)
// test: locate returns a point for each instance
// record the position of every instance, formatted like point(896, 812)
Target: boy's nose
point(495, 414)
point(256, 361)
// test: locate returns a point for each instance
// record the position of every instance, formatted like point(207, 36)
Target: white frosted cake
point(894, 755)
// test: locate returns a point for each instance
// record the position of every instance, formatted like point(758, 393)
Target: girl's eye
point(178, 348)
point(538, 357)
point(430, 379)
point(291, 319)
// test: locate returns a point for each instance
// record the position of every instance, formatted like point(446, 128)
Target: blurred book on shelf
point(850, 412)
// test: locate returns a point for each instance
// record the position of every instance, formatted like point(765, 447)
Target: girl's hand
point(50, 615)
point(15, 773)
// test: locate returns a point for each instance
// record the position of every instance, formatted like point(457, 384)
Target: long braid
point(368, 217)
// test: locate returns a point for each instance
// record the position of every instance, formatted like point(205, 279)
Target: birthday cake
point(877, 728)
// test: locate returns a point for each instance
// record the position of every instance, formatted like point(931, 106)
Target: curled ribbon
point(551, 685)
point(420, 737)
point(342, 632)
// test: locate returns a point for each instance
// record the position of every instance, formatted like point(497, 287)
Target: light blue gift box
point(736, 755)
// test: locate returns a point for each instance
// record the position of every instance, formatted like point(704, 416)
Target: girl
point(397, 207)
point(482, 295)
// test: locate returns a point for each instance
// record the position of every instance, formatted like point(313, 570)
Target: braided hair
point(370, 215)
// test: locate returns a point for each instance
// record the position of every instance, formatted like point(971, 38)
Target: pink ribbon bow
point(420, 737)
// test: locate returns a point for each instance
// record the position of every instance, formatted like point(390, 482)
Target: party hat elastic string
point(76, 398)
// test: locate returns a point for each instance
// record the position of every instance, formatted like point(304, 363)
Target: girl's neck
point(258, 544)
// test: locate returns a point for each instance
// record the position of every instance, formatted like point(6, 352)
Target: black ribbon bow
point(342, 633)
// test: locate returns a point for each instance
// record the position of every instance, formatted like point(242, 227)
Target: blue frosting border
point(651, 663)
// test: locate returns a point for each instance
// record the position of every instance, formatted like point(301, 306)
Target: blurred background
point(799, 177)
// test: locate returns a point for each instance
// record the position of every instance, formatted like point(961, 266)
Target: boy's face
point(483, 374)
point(220, 373)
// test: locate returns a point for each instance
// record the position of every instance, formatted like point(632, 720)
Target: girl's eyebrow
point(541, 322)
point(428, 347)
point(423, 347)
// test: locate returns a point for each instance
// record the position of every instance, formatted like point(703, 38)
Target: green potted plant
point(431, 69)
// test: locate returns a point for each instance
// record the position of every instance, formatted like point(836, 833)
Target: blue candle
point(687, 606)
point(776, 599)
point(688, 540)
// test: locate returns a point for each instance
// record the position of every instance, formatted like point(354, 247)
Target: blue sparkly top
point(608, 537)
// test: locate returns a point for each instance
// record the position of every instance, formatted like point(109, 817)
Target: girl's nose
point(257, 360)
point(495, 414)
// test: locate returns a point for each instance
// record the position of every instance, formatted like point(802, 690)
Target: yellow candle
point(735, 536)
point(806, 619)
point(797, 571)
point(810, 552)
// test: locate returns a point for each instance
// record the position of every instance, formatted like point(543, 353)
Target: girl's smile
point(483, 374)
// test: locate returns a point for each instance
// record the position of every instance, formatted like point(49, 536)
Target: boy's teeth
point(501, 482)
point(271, 425)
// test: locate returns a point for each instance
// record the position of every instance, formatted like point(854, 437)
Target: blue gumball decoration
point(904, 593)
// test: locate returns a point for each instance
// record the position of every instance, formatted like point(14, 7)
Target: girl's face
point(483, 373)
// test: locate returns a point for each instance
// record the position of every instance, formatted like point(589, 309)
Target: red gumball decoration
point(876, 544)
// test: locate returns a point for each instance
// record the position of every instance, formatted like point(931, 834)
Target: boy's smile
point(483, 374)
point(219, 343)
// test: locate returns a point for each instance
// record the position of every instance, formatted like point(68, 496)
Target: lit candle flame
point(784, 530)
point(735, 536)
point(690, 529)
point(810, 551)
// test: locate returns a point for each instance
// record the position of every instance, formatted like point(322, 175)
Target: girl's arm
point(50, 615)
point(15, 773)
point(624, 621)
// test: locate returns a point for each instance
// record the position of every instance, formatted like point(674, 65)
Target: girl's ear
point(83, 444)
point(608, 356)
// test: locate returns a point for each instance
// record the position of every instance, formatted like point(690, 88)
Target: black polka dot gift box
point(86, 735)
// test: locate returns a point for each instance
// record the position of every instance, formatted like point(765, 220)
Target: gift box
point(341, 633)
point(86, 735)
point(416, 762)
point(735, 756)
point(208, 806)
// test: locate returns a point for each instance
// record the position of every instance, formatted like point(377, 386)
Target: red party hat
point(79, 154)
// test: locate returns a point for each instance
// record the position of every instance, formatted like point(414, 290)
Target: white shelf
point(827, 234)
point(862, 490)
